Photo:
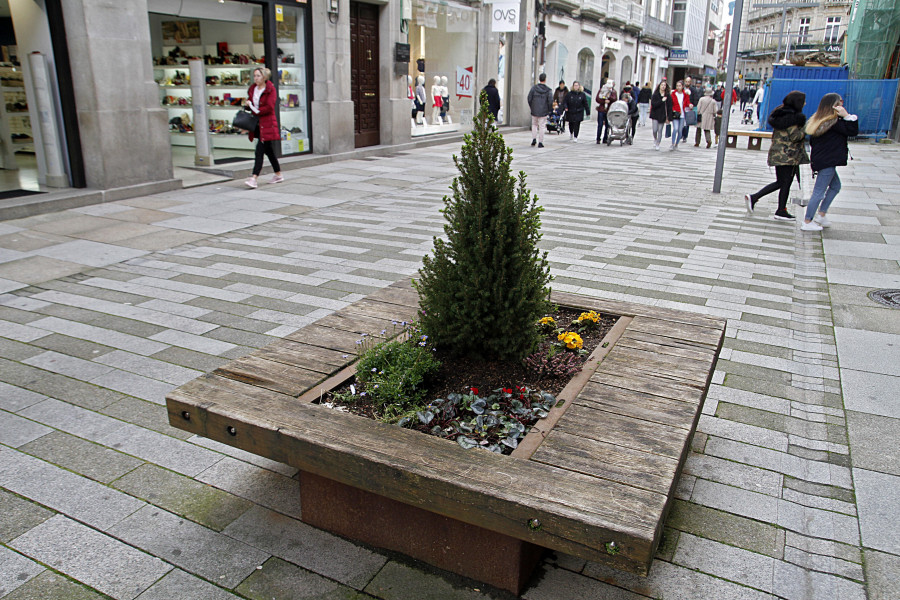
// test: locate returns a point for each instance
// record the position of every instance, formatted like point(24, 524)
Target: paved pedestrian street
point(792, 489)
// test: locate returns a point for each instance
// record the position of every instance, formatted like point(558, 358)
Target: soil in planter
point(459, 375)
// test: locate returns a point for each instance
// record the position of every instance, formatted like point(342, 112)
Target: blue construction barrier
point(795, 72)
point(872, 100)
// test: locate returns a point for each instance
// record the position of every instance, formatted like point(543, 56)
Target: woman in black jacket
point(828, 131)
point(493, 98)
point(576, 103)
point(785, 154)
point(660, 111)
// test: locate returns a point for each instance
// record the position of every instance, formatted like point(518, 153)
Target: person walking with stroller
point(605, 97)
point(660, 111)
point(785, 154)
point(559, 99)
point(540, 101)
point(576, 105)
point(828, 131)
point(681, 101)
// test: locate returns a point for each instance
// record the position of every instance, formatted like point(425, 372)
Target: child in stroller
point(556, 122)
point(748, 116)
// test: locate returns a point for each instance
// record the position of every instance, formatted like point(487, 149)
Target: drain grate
point(889, 298)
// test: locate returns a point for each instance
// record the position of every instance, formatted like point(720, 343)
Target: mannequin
point(436, 93)
point(445, 100)
point(412, 100)
point(420, 100)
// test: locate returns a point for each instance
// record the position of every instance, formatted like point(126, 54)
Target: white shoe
point(571, 136)
point(276, 179)
point(811, 226)
point(748, 202)
point(574, 140)
point(251, 183)
point(822, 220)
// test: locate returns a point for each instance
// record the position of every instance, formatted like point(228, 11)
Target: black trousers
point(574, 128)
point(268, 149)
point(784, 176)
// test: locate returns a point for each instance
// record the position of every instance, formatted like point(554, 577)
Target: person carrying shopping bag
point(828, 131)
point(785, 154)
point(660, 112)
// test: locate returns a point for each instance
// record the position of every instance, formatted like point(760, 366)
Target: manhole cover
point(890, 298)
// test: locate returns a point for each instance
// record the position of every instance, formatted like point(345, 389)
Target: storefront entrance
point(364, 73)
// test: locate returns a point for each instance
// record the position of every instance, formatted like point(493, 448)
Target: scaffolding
point(872, 37)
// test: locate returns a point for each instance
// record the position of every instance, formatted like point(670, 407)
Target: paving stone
point(183, 496)
point(242, 455)
point(91, 557)
point(135, 385)
point(18, 351)
point(726, 427)
point(69, 346)
point(178, 584)
point(817, 489)
point(882, 575)
point(192, 547)
point(144, 414)
point(162, 450)
point(733, 473)
point(734, 530)
point(796, 583)
point(721, 560)
point(878, 502)
point(198, 361)
point(50, 586)
point(18, 516)
point(83, 457)
point(823, 564)
point(63, 491)
point(258, 485)
point(14, 399)
point(189, 341)
point(57, 386)
point(148, 367)
point(280, 579)
point(818, 523)
point(310, 548)
point(868, 436)
point(16, 431)
point(75, 420)
point(15, 570)
point(400, 582)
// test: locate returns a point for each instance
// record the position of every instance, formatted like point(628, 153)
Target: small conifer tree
point(485, 287)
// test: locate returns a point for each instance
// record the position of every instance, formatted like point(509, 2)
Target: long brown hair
point(824, 113)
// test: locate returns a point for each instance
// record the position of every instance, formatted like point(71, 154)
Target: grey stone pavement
point(792, 489)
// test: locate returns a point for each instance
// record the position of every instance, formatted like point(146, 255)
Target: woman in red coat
point(681, 101)
point(261, 98)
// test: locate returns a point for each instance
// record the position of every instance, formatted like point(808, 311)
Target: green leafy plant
point(487, 284)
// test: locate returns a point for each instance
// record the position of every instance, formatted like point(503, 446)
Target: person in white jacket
point(758, 99)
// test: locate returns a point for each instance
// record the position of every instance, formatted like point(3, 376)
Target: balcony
point(618, 12)
point(636, 18)
point(594, 9)
point(565, 5)
point(658, 32)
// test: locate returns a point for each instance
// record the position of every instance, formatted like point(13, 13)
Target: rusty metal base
point(496, 559)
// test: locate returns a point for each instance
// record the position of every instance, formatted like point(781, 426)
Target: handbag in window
point(245, 120)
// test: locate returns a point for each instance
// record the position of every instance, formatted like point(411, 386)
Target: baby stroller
point(617, 117)
point(748, 116)
point(556, 122)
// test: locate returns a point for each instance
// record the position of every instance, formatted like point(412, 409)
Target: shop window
point(443, 47)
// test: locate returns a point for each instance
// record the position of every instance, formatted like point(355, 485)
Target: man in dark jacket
point(559, 98)
point(493, 98)
point(694, 91)
point(540, 100)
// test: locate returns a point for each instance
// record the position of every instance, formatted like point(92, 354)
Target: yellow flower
point(550, 321)
point(589, 316)
point(571, 340)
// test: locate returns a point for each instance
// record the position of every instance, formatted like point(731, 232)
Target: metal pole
point(781, 33)
point(726, 98)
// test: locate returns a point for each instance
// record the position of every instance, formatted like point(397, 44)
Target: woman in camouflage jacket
point(786, 153)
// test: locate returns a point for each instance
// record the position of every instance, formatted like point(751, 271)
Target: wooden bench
point(754, 138)
point(595, 480)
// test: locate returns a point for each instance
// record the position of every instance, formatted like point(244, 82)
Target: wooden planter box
point(594, 480)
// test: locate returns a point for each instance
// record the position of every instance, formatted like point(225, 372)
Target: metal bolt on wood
point(534, 525)
point(612, 548)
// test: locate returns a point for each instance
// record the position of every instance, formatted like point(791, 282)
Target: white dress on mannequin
point(436, 93)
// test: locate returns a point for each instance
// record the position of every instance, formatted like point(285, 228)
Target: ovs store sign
point(505, 16)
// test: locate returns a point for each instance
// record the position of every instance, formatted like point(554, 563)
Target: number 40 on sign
point(464, 80)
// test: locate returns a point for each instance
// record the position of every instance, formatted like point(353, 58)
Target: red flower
point(474, 390)
point(507, 390)
point(520, 388)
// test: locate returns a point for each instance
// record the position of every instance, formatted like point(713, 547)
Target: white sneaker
point(251, 183)
point(811, 226)
point(276, 179)
point(822, 220)
point(574, 140)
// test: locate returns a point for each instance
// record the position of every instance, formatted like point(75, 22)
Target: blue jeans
point(677, 125)
point(602, 127)
point(827, 186)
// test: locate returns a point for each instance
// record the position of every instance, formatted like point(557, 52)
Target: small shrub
point(560, 364)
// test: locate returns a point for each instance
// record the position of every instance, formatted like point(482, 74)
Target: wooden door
point(364, 73)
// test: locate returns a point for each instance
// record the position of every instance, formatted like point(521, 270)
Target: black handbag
point(245, 120)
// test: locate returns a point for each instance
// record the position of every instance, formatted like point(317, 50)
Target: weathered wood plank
point(610, 462)
point(639, 340)
point(358, 324)
point(636, 404)
point(653, 386)
point(627, 432)
point(710, 336)
point(387, 311)
point(326, 337)
point(618, 307)
point(313, 358)
point(403, 294)
point(653, 364)
point(271, 375)
point(639, 372)
point(492, 491)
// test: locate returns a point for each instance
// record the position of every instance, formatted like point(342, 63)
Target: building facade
point(773, 35)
